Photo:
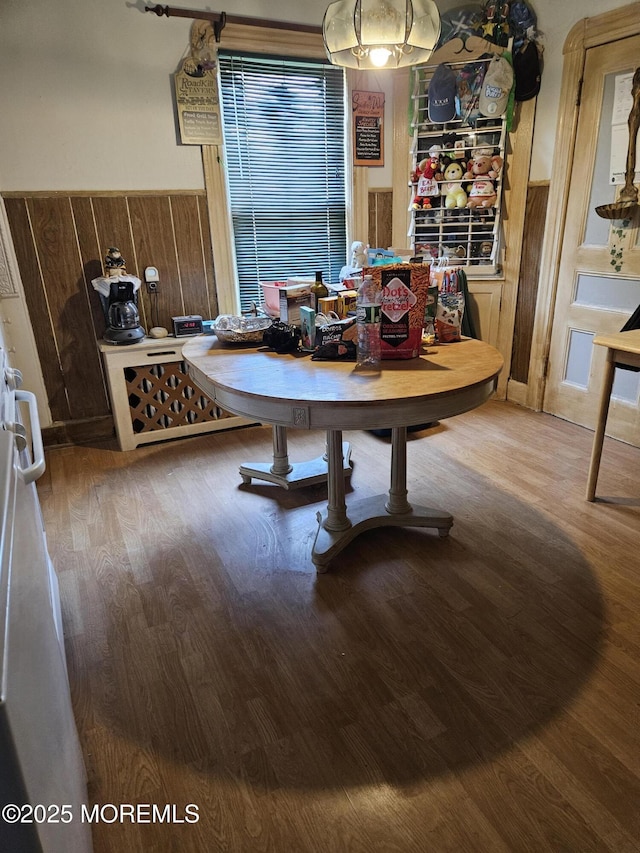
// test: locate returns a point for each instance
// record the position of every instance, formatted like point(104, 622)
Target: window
point(284, 126)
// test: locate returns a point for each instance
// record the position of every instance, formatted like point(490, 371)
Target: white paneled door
point(599, 277)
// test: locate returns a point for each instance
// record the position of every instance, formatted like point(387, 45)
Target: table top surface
point(624, 341)
point(256, 372)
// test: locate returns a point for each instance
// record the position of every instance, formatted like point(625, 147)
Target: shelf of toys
point(458, 167)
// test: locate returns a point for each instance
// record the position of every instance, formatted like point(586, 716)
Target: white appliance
point(41, 765)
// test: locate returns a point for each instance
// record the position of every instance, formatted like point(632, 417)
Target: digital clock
point(190, 324)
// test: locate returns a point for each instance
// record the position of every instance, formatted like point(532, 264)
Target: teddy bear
point(483, 163)
point(482, 194)
point(483, 168)
point(452, 189)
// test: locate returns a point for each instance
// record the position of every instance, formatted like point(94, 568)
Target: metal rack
point(462, 236)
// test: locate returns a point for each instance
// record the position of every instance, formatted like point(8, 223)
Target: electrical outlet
point(152, 278)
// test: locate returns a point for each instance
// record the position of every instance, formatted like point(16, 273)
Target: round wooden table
point(294, 392)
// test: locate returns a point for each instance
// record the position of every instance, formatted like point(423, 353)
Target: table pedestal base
point(366, 514)
point(292, 475)
point(337, 528)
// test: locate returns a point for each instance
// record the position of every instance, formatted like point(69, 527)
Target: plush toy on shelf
point(452, 189)
point(483, 168)
point(426, 176)
point(482, 194)
point(483, 163)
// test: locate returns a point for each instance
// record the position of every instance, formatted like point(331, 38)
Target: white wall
point(555, 19)
point(86, 93)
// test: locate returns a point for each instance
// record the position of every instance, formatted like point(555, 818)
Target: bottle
point(318, 290)
point(368, 320)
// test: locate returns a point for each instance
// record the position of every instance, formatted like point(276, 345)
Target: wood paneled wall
point(535, 214)
point(380, 208)
point(60, 242)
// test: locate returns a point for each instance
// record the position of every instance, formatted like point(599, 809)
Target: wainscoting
point(380, 211)
point(60, 240)
point(535, 214)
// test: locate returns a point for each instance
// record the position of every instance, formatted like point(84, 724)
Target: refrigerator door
point(40, 757)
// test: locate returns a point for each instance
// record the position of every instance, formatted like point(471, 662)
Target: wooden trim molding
point(254, 39)
point(588, 33)
point(99, 193)
point(224, 256)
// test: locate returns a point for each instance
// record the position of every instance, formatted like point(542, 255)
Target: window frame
point(272, 41)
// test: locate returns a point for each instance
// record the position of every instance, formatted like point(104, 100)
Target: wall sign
point(368, 128)
point(196, 83)
point(198, 105)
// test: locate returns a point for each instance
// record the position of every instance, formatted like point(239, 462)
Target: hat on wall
point(442, 95)
point(526, 68)
point(496, 88)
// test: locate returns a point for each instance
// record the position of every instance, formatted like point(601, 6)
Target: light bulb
point(379, 56)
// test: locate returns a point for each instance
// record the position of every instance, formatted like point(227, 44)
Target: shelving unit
point(467, 237)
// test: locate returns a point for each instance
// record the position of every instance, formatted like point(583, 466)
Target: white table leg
point(289, 475)
point(338, 528)
point(336, 519)
point(398, 503)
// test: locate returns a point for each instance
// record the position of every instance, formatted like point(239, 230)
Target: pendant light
point(371, 34)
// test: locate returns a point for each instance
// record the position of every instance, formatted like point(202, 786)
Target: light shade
point(380, 33)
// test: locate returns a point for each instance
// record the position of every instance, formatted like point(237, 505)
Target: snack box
point(271, 292)
point(308, 326)
point(327, 304)
point(292, 299)
point(403, 301)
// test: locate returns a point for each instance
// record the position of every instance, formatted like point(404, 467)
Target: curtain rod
point(219, 19)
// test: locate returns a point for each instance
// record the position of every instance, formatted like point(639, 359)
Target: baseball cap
point(496, 88)
point(526, 68)
point(442, 95)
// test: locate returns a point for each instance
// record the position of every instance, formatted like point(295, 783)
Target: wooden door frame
point(587, 33)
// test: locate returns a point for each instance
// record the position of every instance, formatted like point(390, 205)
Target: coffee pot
point(123, 318)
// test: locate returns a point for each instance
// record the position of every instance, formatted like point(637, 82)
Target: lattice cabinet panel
point(162, 396)
point(152, 396)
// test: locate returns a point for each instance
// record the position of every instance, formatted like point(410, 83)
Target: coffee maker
point(118, 296)
point(121, 314)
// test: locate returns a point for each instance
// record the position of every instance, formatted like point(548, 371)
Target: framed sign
point(368, 128)
point(198, 105)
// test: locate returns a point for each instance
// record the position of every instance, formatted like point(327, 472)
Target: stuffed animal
point(426, 176)
point(358, 255)
point(483, 168)
point(455, 196)
point(483, 163)
point(482, 194)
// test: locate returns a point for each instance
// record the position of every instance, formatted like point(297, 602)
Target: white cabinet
point(153, 398)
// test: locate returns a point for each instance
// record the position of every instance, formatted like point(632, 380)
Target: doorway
point(591, 265)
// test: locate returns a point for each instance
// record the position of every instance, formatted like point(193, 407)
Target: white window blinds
point(285, 160)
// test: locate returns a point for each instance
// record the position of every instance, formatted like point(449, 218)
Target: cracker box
point(291, 300)
point(404, 296)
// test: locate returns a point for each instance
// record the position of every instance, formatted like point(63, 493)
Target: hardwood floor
point(475, 694)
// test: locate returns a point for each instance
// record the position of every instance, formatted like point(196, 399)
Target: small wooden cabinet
point(152, 396)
